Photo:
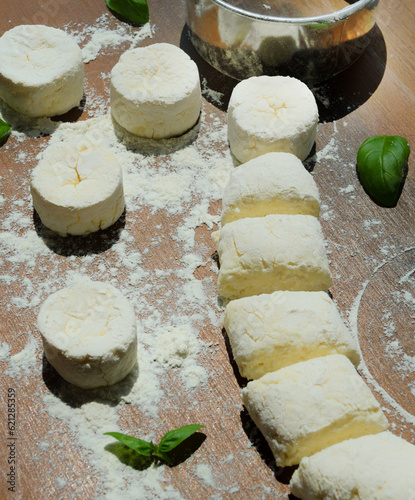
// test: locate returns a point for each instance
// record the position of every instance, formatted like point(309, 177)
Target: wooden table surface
point(59, 448)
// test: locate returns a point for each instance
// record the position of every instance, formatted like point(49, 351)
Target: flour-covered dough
point(77, 188)
point(276, 252)
point(271, 113)
point(89, 334)
point(155, 91)
point(374, 467)
point(273, 183)
point(306, 407)
point(270, 331)
point(41, 70)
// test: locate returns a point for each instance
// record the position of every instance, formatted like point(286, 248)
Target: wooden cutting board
point(55, 435)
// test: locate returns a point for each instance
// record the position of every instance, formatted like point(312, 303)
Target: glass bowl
point(244, 38)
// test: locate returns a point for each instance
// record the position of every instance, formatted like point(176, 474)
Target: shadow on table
point(75, 397)
point(336, 97)
point(155, 147)
point(351, 88)
point(80, 246)
point(282, 474)
point(242, 381)
point(40, 126)
point(129, 457)
point(73, 114)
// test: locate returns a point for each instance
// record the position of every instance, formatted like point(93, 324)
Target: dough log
point(277, 252)
point(374, 467)
point(273, 183)
point(306, 407)
point(270, 331)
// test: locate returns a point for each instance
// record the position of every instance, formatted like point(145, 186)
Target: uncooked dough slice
point(270, 331)
point(89, 334)
point(306, 407)
point(375, 467)
point(277, 252)
point(77, 188)
point(274, 183)
point(155, 91)
point(41, 70)
point(271, 113)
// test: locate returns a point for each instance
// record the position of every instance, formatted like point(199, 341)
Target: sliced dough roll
point(271, 113)
point(89, 334)
point(375, 467)
point(41, 70)
point(269, 332)
point(273, 183)
point(77, 188)
point(155, 91)
point(277, 252)
point(306, 407)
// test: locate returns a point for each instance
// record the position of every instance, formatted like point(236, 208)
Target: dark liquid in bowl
point(291, 8)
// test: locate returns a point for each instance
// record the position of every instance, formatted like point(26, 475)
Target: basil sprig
point(382, 165)
point(168, 442)
point(5, 130)
point(135, 11)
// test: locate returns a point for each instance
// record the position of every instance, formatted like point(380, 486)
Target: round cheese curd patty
point(41, 71)
point(155, 91)
point(271, 114)
point(77, 188)
point(89, 334)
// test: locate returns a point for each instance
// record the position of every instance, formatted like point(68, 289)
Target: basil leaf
point(163, 456)
point(135, 11)
point(139, 445)
point(5, 130)
point(177, 436)
point(382, 165)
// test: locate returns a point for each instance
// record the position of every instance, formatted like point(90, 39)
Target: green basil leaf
point(162, 455)
point(139, 445)
point(135, 11)
point(177, 436)
point(5, 130)
point(382, 165)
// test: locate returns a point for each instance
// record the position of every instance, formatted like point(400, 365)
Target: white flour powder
point(104, 35)
point(180, 178)
point(171, 188)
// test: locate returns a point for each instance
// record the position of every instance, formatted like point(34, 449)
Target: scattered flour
point(212, 95)
point(402, 361)
point(174, 182)
point(4, 350)
point(331, 151)
point(347, 190)
point(26, 361)
point(61, 483)
point(104, 35)
point(204, 472)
